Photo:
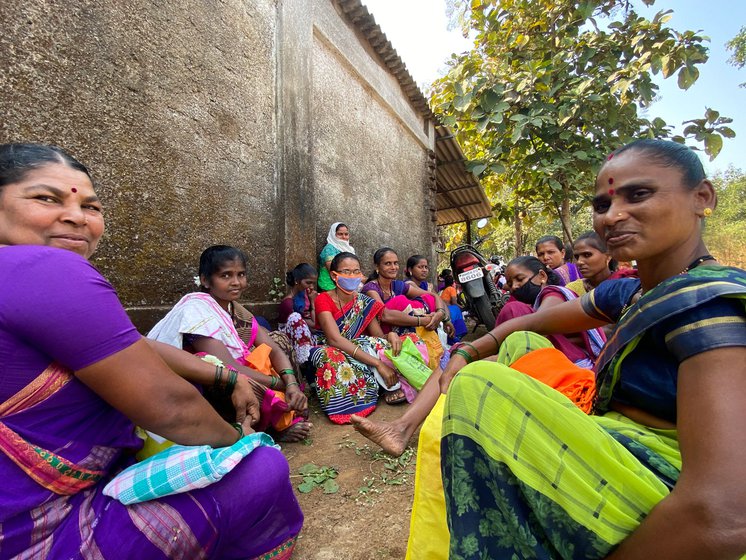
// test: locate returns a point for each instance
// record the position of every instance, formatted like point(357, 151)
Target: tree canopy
point(737, 46)
point(552, 86)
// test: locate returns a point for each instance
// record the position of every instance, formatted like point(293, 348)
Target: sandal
point(394, 397)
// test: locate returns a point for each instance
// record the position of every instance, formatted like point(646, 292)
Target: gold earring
point(707, 212)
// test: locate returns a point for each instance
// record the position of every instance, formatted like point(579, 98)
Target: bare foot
point(297, 432)
point(391, 437)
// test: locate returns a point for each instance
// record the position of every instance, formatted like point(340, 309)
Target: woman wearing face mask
point(348, 371)
point(535, 286)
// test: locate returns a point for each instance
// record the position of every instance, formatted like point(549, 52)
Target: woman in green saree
point(657, 470)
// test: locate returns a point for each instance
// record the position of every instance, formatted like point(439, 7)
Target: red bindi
point(611, 192)
point(611, 180)
point(610, 156)
point(74, 190)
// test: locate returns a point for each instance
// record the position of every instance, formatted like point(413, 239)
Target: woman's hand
point(433, 320)
point(454, 366)
point(388, 374)
point(246, 404)
point(295, 399)
point(312, 293)
point(395, 342)
point(448, 327)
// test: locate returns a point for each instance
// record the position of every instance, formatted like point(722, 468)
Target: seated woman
point(534, 286)
point(337, 241)
point(297, 313)
point(405, 306)
point(211, 322)
point(551, 251)
point(449, 295)
point(594, 262)
point(348, 369)
point(657, 471)
point(77, 376)
point(417, 272)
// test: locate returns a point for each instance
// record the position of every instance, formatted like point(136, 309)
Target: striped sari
point(527, 474)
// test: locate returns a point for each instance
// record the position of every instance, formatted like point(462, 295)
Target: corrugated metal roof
point(460, 195)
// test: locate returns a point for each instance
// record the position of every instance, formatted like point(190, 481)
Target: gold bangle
point(354, 353)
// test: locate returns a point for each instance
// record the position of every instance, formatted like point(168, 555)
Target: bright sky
point(418, 31)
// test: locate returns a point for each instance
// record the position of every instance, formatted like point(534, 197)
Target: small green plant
point(318, 477)
point(276, 290)
point(391, 471)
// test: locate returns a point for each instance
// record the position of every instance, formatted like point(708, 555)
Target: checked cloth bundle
point(181, 468)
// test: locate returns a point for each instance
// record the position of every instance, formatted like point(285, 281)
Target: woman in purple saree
point(76, 376)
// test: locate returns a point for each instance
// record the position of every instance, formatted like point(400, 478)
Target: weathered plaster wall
point(370, 163)
point(171, 105)
point(254, 123)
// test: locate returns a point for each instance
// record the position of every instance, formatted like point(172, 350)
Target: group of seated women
point(600, 418)
point(342, 333)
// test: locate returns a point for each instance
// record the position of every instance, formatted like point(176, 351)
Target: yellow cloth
point(434, 347)
point(577, 286)
point(428, 530)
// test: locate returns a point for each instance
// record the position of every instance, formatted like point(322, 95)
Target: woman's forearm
point(352, 350)
point(399, 318)
point(187, 365)
point(681, 528)
point(137, 382)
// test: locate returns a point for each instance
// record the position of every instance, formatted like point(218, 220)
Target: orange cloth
point(448, 294)
point(258, 359)
point(553, 368)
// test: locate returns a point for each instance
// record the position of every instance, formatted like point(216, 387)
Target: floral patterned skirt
point(300, 337)
point(346, 386)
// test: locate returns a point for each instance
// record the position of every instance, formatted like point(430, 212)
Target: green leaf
point(687, 76)
point(330, 486)
point(306, 487)
point(308, 468)
point(713, 145)
point(489, 100)
point(517, 133)
point(462, 103)
point(726, 131)
point(711, 115)
point(478, 169)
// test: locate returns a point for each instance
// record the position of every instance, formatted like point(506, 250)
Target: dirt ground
point(368, 516)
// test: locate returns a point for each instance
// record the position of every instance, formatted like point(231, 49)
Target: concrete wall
point(369, 147)
point(254, 123)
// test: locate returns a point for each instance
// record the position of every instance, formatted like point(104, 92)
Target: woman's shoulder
point(51, 259)
point(329, 250)
point(371, 286)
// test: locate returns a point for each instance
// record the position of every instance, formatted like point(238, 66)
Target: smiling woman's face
point(55, 206)
point(643, 210)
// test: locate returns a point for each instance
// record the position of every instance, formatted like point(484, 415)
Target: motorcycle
point(477, 276)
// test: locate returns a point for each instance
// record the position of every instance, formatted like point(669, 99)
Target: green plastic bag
point(410, 364)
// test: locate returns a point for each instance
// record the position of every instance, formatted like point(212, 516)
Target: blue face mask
point(347, 284)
